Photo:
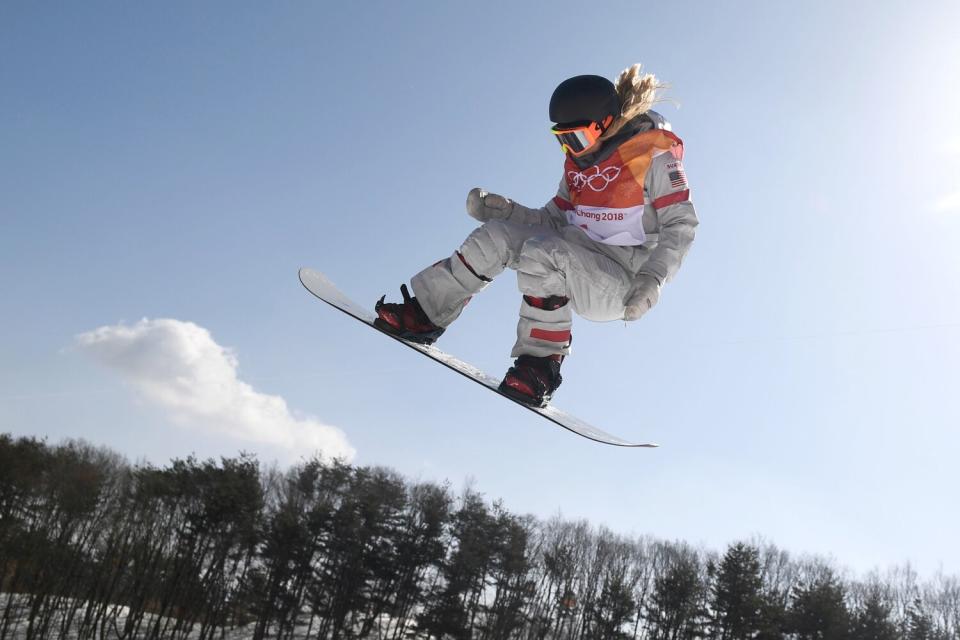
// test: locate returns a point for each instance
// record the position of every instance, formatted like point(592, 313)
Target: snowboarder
point(617, 230)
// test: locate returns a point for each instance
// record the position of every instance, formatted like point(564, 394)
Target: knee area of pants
point(489, 235)
point(541, 245)
point(540, 256)
point(488, 242)
point(494, 228)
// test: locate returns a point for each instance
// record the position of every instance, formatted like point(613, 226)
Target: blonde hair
point(637, 92)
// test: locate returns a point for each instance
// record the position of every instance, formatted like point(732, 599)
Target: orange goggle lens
point(577, 140)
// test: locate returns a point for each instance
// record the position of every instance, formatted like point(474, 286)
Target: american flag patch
point(678, 179)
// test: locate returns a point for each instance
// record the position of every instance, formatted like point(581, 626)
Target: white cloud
point(178, 367)
point(952, 146)
point(949, 203)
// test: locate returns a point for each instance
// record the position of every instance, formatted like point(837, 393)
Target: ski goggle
point(578, 138)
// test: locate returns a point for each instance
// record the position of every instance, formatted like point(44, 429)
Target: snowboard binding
point(532, 380)
point(406, 320)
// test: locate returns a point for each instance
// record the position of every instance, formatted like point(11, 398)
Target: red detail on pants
point(551, 303)
point(467, 265)
point(550, 336)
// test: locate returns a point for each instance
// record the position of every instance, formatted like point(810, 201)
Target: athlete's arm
point(485, 206)
point(667, 185)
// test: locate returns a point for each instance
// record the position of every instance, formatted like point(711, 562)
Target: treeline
point(94, 547)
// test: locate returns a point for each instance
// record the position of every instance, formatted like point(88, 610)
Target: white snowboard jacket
point(632, 192)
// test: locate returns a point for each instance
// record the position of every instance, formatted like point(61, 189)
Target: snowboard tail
point(320, 286)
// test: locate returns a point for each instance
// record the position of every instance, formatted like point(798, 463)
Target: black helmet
point(584, 98)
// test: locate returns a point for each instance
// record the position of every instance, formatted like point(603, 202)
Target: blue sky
point(180, 161)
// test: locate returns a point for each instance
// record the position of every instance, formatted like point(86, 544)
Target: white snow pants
point(594, 277)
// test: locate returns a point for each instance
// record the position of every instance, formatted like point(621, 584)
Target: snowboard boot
point(532, 380)
point(406, 320)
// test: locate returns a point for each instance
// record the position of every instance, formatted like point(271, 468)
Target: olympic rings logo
point(597, 181)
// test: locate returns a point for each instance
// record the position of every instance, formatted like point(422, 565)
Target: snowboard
point(320, 286)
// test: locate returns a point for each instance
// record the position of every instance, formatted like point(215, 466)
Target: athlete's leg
point(444, 288)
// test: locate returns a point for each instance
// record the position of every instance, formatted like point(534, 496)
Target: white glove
point(488, 206)
point(642, 297)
